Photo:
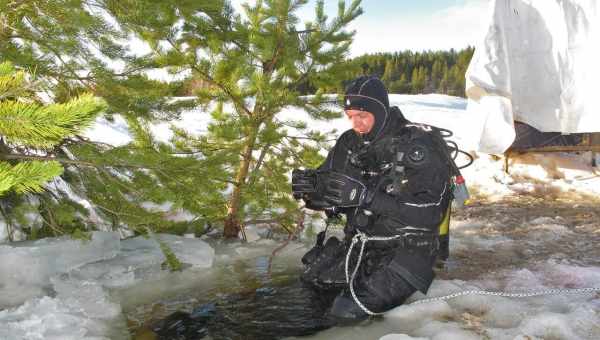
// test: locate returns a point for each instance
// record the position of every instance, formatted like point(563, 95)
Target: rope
point(510, 295)
point(363, 238)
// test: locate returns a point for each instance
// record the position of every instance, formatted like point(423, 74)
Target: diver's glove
point(344, 191)
point(308, 186)
point(304, 183)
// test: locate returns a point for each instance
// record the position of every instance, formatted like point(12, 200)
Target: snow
point(3, 230)
point(113, 132)
point(57, 184)
point(441, 111)
point(490, 317)
point(559, 172)
point(175, 215)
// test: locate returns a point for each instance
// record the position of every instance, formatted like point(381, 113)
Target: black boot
point(345, 310)
point(319, 261)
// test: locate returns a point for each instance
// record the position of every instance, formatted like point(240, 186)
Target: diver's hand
point(345, 191)
point(304, 183)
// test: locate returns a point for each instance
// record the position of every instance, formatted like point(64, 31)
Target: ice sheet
point(26, 267)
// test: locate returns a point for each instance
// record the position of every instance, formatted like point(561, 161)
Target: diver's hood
point(369, 94)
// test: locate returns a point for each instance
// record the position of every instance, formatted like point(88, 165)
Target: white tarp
point(538, 63)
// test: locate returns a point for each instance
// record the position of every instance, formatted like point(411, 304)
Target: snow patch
point(400, 337)
point(114, 132)
point(58, 184)
point(573, 316)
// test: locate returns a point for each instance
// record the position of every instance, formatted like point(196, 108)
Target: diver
point(393, 180)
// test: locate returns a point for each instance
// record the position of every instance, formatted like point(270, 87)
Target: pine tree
point(62, 40)
point(453, 81)
point(28, 125)
point(73, 47)
point(419, 80)
point(402, 85)
point(388, 73)
point(436, 74)
point(444, 83)
point(253, 65)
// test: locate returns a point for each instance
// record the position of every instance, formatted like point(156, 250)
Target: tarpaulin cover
point(538, 62)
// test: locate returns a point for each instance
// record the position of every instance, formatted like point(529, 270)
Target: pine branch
point(309, 138)
point(27, 176)
point(101, 166)
point(55, 52)
point(45, 126)
point(10, 80)
point(236, 101)
point(75, 162)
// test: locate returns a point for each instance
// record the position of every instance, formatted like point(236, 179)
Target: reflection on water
point(245, 302)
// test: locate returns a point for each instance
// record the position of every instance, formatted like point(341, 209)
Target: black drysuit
point(407, 172)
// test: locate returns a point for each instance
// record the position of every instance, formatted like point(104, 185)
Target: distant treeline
point(417, 72)
point(404, 72)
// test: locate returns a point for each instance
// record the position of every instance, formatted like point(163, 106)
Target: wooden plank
point(564, 148)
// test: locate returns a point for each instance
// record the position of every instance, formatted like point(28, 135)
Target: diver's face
point(362, 121)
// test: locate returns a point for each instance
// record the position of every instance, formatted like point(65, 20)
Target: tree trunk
point(232, 221)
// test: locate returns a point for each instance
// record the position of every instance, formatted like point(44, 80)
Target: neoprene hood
point(367, 93)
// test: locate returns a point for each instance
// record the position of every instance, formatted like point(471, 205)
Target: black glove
point(344, 191)
point(304, 183)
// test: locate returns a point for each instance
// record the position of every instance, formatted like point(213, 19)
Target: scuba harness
point(394, 155)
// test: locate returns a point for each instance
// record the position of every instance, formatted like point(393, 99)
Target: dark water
point(270, 312)
point(249, 301)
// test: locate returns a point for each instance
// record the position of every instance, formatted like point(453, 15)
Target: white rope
point(510, 295)
point(363, 238)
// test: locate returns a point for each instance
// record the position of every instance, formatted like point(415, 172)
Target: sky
point(417, 25)
point(396, 25)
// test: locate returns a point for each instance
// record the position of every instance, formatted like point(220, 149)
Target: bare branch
point(254, 173)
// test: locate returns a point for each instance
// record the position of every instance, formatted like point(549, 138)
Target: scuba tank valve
point(460, 192)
